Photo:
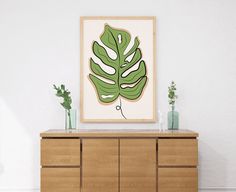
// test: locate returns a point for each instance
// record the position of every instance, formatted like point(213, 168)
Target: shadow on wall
point(1, 164)
point(18, 153)
point(207, 167)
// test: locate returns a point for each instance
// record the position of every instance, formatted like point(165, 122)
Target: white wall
point(39, 46)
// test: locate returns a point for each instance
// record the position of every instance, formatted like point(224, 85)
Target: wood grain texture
point(119, 133)
point(137, 165)
point(177, 152)
point(177, 180)
point(60, 152)
point(117, 17)
point(100, 165)
point(60, 180)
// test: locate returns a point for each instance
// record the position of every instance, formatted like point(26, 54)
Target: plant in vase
point(70, 121)
point(173, 116)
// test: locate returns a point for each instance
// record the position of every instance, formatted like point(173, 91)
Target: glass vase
point(173, 119)
point(70, 119)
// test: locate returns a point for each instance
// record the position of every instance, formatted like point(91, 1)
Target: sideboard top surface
point(118, 133)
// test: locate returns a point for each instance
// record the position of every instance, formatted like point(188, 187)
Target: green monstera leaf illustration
point(126, 81)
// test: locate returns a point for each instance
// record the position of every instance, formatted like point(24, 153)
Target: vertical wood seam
point(118, 165)
point(81, 165)
point(157, 178)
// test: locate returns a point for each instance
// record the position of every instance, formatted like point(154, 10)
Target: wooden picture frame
point(106, 90)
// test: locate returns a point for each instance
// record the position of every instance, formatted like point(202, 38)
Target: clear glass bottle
point(173, 119)
point(70, 119)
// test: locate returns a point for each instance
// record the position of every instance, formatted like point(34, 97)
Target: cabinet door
point(60, 179)
point(100, 165)
point(137, 165)
point(177, 180)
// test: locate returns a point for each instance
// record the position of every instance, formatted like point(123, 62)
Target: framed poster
point(117, 69)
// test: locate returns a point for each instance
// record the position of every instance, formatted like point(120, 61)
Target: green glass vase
point(173, 119)
point(70, 119)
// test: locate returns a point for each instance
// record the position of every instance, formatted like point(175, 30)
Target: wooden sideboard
point(119, 161)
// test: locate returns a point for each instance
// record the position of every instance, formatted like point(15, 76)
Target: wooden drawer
point(60, 152)
point(177, 152)
point(60, 179)
point(177, 180)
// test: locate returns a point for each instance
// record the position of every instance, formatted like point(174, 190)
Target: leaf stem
point(172, 118)
point(119, 108)
point(70, 125)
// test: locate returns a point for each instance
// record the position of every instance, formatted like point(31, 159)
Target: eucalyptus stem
point(172, 99)
point(69, 116)
point(172, 118)
point(62, 92)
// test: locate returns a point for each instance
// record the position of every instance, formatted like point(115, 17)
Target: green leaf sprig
point(65, 94)
point(171, 93)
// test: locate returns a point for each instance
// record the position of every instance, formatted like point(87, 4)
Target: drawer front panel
point(177, 180)
point(60, 152)
point(137, 165)
point(100, 161)
point(60, 179)
point(177, 152)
